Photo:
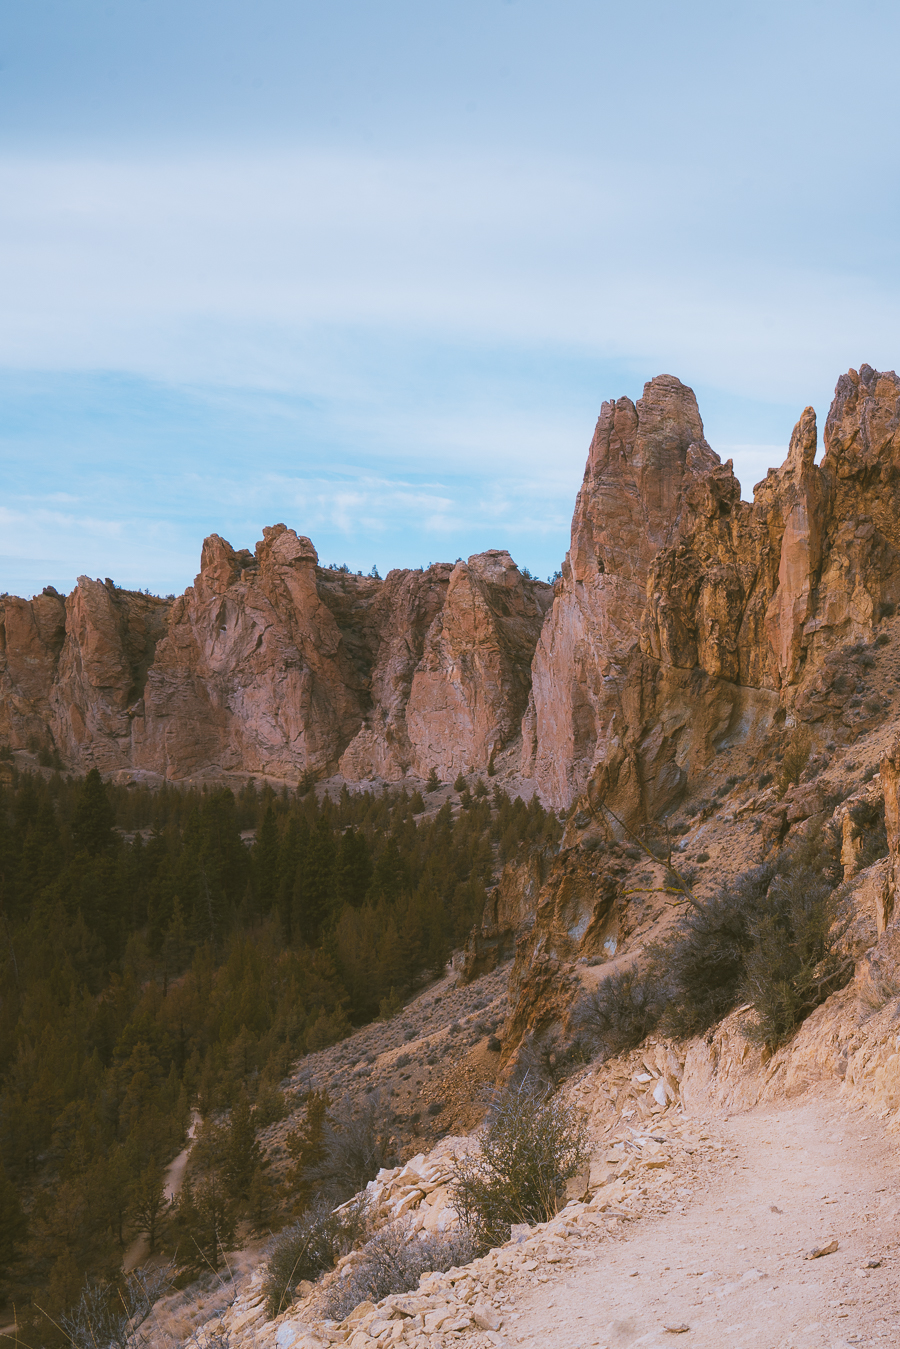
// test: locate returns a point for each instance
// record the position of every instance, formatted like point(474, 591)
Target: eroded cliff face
point(272, 665)
point(686, 621)
point(687, 618)
point(762, 594)
point(763, 629)
point(470, 689)
point(587, 684)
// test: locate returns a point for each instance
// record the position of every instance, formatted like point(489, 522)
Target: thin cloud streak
point(225, 269)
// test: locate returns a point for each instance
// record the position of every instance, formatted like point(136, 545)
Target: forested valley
point(175, 950)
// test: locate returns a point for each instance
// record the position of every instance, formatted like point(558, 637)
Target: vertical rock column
point(890, 782)
point(471, 686)
point(627, 510)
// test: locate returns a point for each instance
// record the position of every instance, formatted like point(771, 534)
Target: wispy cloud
point(242, 261)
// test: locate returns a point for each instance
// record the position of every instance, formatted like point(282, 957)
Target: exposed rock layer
point(686, 615)
point(270, 664)
point(685, 620)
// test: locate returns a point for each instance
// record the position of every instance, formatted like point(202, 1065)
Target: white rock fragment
point(828, 1248)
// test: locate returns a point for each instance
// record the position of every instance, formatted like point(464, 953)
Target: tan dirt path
point(730, 1264)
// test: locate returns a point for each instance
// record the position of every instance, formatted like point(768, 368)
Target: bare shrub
point(771, 939)
point(880, 985)
point(393, 1261)
point(793, 962)
point(109, 1315)
point(622, 1010)
point(704, 959)
point(796, 757)
point(531, 1146)
point(309, 1247)
point(354, 1147)
point(533, 1065)
point(219, 1338)
point(867, 821)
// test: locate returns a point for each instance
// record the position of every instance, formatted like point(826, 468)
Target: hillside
point(690, 930)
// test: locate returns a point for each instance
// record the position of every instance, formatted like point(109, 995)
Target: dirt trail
point(727, 1260)
point(139, 1250)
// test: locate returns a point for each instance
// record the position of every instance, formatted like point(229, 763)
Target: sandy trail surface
point(139, 1250)
point(727, 1261)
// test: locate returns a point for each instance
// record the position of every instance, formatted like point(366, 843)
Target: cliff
point(745, 700)
point(686, 622)
point(270, 664)
point(688, 619)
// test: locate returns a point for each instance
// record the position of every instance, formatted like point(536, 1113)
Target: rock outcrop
point(470, 689)
point(889, 908)
point(587, 690)
point(687, 617)
point(685, 621)
point(272, 665)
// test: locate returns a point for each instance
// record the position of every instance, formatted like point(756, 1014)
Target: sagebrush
point(771, 937)
point(701, 967)
point(393, 1261)
point(108, 1315)
point(794, 960)
point(532, 1144)
point(308, 1248)
point(622, 1010)
point(355, 1144)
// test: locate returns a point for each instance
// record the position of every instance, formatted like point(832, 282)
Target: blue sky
point(371, 269)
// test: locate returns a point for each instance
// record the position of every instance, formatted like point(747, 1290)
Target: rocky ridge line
point(685, 621)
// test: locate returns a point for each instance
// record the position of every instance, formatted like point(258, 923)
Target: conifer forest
point(167, 955)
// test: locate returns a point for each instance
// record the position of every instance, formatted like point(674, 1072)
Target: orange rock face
point(684, 620)
point(32, 633)
point(471, 686)
point(643, 459)
point(687, 617)
point(270, 664)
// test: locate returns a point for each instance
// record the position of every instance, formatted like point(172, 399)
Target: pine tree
point(13, 1230)
point(390, 876)
point(265, 861)
point(354, 868)
point(174, 948)
point(314, 888)
point(92, 823)
point(306, 1148)
point(291, 852)
point(42, 855)
point(147, 1203)
point(205, 1223)
point(262, 1197)
point(108, 1185)
point(242, 1154)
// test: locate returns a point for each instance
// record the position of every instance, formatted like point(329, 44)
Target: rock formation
point(685, 621)
point(888, 908)
point(641, 459)
point(763, 634)
point(270, 664)
point(470, 688)
point(687, 618)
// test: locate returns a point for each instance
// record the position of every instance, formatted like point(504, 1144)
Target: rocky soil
point(775, 1226)
point(429, 1068)
point(728, 1263)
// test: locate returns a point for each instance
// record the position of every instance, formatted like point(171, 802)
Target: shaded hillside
point(169, 950)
